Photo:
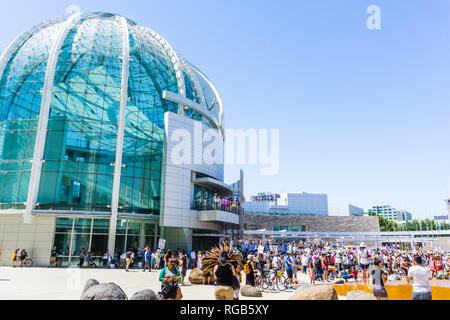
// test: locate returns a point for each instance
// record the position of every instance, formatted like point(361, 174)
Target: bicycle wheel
point(281, 283)
point(28, 263)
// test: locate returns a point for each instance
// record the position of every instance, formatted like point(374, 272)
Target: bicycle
point(278, 280)
point(27, 262)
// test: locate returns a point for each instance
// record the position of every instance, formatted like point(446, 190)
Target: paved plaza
point(67, 284)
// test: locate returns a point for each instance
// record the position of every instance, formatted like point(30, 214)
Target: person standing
point(364, 262)
point(378, 280)
point(169, 280)
point(421, 277)
point(184, 265)
point(14, 257)
point(147, 260)
point(128, 259)
point(193, 259)
point(249, 270)
point(105, 259)
point(81, 258)
point(224, 273)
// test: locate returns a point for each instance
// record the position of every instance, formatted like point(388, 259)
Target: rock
point(146, 294)
point(303, 286)
point(90, 283)
point(441, 275)
point(249, 291)
point(339, 281)
point(196, 276)
point(104, 291)
point(360, 295)
point(319, 292)
point(160, 296)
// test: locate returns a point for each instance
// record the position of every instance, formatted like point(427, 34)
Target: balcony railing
point(205, 205)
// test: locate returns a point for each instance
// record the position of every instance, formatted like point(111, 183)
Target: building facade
point(92, 107)
point(345, 210)
point(309, 204)
point(393, 214)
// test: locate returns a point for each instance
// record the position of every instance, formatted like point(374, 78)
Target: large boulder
point(250, 291)
point(441, 275)
point(196, 276)
point(146, 294)
point(90, 283)
point(319, 292)
point(303, 286)
point(360, 295)
point(104, 291)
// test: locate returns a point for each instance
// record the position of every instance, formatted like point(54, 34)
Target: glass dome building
point(88, 104)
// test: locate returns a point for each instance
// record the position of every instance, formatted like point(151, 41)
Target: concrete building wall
point(313, 223)
point(36, 238)
point(177, 186)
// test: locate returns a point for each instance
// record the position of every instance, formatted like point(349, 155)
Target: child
point(355, 274)
point(345, 275)
point(311, 273)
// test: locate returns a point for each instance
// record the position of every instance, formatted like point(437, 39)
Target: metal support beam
point(120, 135)
point(41, 133)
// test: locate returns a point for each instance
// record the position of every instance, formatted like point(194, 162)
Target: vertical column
point(41, 133)
point(120, 134)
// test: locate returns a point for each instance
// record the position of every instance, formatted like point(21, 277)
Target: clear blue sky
point(363, 115)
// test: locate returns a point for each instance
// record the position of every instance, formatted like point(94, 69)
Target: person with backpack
point(14, 257)
point(318, 267)
point(169, 280)
point(249, 270)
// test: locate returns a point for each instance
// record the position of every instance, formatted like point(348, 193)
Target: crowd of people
point(319, 262)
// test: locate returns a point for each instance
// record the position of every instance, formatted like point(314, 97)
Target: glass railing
point(227, 206)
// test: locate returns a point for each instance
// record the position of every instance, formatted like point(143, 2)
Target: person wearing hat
point(224, 273)
point(364, 261)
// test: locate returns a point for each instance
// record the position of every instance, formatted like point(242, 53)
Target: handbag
point(169, 289)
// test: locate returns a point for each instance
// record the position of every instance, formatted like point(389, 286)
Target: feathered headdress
point(212, 257)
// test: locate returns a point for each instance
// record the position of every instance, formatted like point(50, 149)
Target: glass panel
point(148, 242)
point(79, 241)
point(149, 228)
point(20, 102)
point(133, 242)
point(83, 225)
point(134, 227)
point(64, 225)
point(62, 243)
point(121, 226)
point(120, 243)
point(101, 226)
point(82, 126)
point(99, 244)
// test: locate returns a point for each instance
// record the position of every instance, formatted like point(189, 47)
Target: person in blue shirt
point(288, 264)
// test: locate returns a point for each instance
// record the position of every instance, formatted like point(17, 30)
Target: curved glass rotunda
point(83, 102)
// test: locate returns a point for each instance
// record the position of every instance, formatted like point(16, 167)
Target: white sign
point(162, 244)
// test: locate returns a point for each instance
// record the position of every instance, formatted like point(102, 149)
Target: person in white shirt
point(305, 260)
point(193, 259)
point(421, 277)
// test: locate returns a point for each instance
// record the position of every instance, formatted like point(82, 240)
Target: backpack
point(247, 269)
point(317, 263)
